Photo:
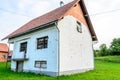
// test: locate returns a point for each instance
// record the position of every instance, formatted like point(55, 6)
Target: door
point(19, 66)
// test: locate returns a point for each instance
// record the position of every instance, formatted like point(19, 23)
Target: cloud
point(97, 6)
point(40, 8)
point(10, 22)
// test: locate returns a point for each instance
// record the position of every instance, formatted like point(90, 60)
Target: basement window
point(23, 47)
point(79, 27)
point(41, 64)
point(42, 42)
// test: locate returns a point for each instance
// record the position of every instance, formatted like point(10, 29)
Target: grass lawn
point(103, 71)
point(115, 59)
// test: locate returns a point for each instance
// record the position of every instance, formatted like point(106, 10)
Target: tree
point(96, 53)
point(103, 50)
point(115, 46)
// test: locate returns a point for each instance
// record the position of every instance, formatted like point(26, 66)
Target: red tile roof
point(3, 47)
point(47, 18)
point(44, 19)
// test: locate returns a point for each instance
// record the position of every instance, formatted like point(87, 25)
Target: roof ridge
point(75, 1)
point(43, 19)
point(55, 9)
point(50, 17)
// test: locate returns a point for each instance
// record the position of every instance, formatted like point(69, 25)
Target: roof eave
point(87, 18)
point(4, 51)
point(31, 30)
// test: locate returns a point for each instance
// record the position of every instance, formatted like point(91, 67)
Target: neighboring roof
point(3, 47)
point(48, 18)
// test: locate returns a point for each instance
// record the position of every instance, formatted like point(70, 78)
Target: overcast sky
point(104, 14)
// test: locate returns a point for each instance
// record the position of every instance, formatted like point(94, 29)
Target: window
point(79, 27)
point(42, 42)
point(41, 64)
point(23, 47)
point(4, 56)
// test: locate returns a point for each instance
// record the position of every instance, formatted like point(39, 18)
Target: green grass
point(115, 59)
point(104, 70)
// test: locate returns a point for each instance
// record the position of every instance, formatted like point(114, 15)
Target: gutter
point(31, 30)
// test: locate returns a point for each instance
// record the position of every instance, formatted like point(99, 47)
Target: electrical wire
point(105, 12)
point(4, 10)
point(96, 14)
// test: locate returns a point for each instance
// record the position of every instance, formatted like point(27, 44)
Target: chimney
point(61, 3)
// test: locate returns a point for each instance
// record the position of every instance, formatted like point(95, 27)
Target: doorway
point(19, 66)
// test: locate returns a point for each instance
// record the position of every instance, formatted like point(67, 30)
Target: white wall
point(75, 48)
point(49, 54)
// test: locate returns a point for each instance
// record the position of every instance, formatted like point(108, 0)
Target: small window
point(23, 47)
point(42, 42)
point(4, 56)
point(79, 27)
point(41, 64)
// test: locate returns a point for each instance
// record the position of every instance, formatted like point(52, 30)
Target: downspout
point(58, 49)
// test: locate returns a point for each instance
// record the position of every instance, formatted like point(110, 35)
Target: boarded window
point(23, 47)
point(41, 64)
point(42, 42)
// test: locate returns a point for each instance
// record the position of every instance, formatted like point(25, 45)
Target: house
point(9, 55)
point(3, 52)
point(57, 43)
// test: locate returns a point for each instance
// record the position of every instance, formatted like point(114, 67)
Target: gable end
point(79, 11)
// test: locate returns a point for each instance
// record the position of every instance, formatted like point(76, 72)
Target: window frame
point(41, 63)
point(42, 42)
point(79, 27)
point(23, 47)
point(4, 56)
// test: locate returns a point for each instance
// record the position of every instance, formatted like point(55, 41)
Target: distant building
point(3, 52)
point(10, 55)
point(57, 43)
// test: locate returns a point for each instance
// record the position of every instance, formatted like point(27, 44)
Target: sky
point(104, 14)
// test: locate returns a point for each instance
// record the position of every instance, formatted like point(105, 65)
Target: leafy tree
point(115, 46)
point(103, 50)
point(96, 53)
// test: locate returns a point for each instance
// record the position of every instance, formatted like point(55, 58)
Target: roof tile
point(53, 16)
point(44, 19)
point(3, 47)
